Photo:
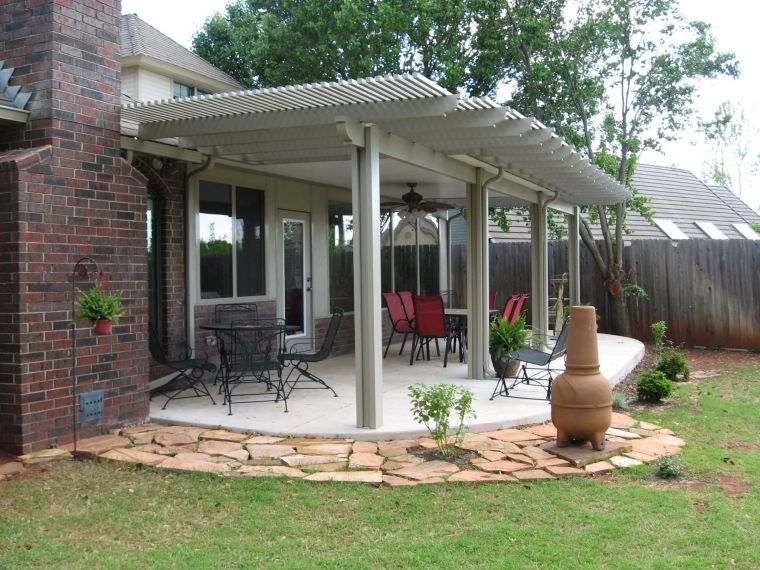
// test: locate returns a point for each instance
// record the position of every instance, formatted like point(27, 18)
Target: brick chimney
point(65, 192)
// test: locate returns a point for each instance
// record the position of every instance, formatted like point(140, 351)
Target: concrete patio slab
point(316, 413)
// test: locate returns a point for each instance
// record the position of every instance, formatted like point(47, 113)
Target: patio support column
point(574, 256)
point(477, 276)
point(539, 268)
point(368, 329)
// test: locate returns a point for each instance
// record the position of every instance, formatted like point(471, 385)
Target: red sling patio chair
point(513, 307)
point(400, 321)
point(429, 324)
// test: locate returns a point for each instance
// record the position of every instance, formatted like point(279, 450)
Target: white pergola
point(496, 153)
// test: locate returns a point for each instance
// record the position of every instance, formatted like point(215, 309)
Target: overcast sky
point(734, 25)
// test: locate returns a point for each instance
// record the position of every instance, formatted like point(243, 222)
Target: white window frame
point(235, 181)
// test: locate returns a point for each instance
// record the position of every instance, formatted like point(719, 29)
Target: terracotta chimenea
point(581, 396)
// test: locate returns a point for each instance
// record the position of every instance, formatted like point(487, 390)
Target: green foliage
point(659, 332)
point(756, 226)
point(669, 467)
point(95, 305)
point(653, 386)
point(433, 406)
point(506, 337)
point(619, 401)
point(216, 246)
point(673, 364)
point(636, 291)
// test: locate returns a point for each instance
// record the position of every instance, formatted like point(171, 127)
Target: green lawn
point(87, 514)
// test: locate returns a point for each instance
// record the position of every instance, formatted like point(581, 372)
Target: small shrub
point(619, 401)
point(669, 467)
point(673, 364)
point(659, 331)
point(653, 386)
point(433, 405)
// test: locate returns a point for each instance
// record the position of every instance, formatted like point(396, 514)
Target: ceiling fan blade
point(392, 204)
point(433, 206)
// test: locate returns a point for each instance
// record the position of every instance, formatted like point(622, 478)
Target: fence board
point(707, 290)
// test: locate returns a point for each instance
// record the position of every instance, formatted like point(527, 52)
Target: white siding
point(129, 82)
point(154, 86)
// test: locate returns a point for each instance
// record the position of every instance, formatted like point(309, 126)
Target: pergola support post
point(574, 256)
point(368, 329)
point(477, 276)
point(539, 266)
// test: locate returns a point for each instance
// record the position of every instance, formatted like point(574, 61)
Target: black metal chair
point(189, 372)
point(542, 374)
point(303, 353)
point(250, 355)
point(237, 312)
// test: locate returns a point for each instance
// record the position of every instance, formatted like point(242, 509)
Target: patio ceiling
point(306, 128)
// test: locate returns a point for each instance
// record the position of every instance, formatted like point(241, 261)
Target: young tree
point(731, 136)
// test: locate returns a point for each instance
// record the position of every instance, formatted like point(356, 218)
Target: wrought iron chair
point(542, 374)
point(237, 312)
point(430, 324)
point(400, 322)
point(303, 353)
point(189, 372)
point(250, 355)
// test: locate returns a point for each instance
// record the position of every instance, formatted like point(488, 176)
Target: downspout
point(189, 306)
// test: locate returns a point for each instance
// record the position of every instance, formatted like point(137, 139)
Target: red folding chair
point(400, 321)
point(513, 307)
point(429, 324)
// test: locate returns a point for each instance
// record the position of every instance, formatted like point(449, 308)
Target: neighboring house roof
point(12, 99)
point(742, 209)
point(674, 194)
point(139, 38)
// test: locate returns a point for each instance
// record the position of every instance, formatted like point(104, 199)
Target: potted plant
point(505, 338)
point(102, 309)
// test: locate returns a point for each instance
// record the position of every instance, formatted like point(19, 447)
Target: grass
point(92, 514)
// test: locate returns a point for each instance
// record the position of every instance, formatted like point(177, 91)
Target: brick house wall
point(69, 196)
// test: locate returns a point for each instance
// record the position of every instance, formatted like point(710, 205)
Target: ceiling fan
point(413, 202)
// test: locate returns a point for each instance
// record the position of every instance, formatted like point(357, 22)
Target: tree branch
point(592, 246)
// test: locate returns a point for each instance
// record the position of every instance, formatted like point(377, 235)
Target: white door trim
point(304, 218)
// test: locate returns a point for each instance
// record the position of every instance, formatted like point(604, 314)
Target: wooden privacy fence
point(708, 291)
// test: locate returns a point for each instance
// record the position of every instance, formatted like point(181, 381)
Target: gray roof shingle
point(674, 194)
point(140, 38)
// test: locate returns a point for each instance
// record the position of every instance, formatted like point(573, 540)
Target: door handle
point(308, 283)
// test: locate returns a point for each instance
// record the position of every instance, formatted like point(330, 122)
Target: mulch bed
point(459, 457)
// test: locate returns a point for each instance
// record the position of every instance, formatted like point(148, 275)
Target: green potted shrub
point(102, 309)
point(504, 338)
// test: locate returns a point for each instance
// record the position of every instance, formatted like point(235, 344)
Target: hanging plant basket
point(102, 309)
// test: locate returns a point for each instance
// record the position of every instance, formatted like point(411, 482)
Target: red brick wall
point(345, 341)
point(79, 198)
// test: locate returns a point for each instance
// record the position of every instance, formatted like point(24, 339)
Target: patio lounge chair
point(541, 372)
point(302, 354)
point(430, 324)
point(189, 373)
point(400, 322)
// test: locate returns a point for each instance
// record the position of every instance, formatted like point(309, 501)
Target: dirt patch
point(742, 446)
point(733, 486)
point(687, 484)
point(459, 457)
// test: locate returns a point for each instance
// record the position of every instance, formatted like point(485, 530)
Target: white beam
point(368, 330)
point(574, 256)
point(477, 276)
point(161, 149)
point(539, 269)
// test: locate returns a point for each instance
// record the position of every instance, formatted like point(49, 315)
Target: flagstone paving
point(500, 456)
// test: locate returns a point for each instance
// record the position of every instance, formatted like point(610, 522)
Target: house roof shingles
point(140, 38)
point(674, 194)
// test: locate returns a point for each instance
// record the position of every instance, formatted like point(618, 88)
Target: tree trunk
point(619, 322)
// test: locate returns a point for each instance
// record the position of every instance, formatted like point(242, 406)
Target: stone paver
point(223, 435)
point(473, 476)
point(131, 455)
point(580, 455)
point(623, 461)
point(274, 451)
point(100, 444)
point(10, 469)
point(374, 477)
point(427, 470)
point(362, 460)
point(532, 475)
point(45, 456)
point(524, 454)
point(270, 471)
point(599, 467)
point(502, 466)
point(229, 449)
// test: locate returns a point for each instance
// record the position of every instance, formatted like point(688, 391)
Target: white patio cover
point(297, 124)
